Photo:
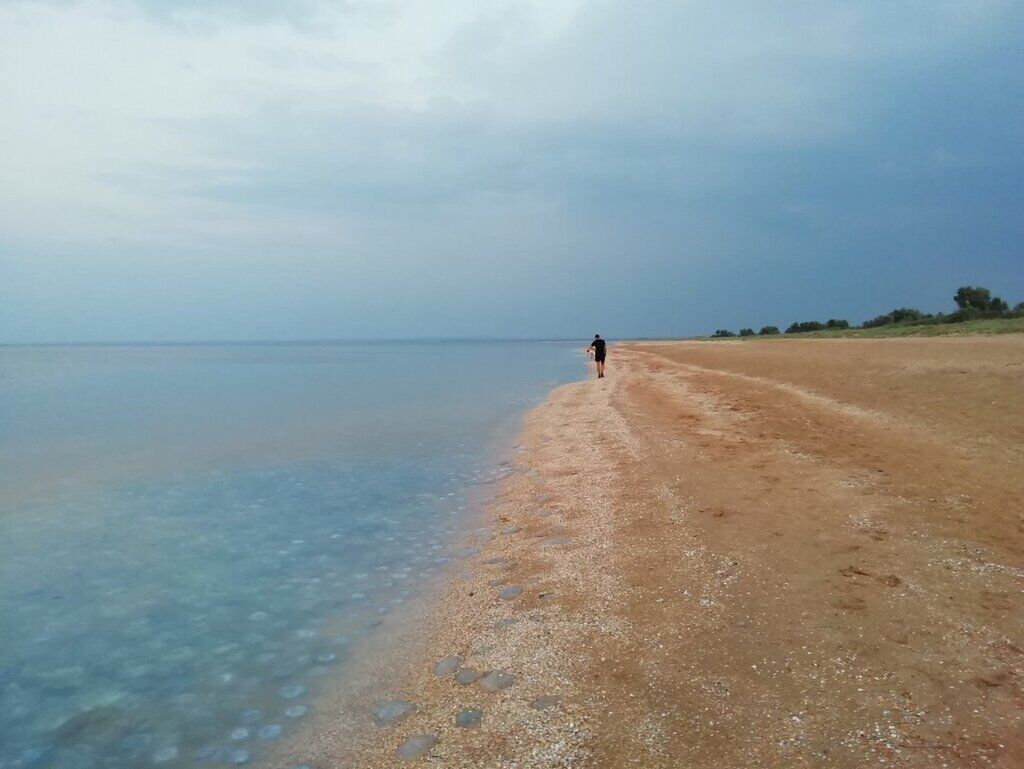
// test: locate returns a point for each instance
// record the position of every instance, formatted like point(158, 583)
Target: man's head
point(597, 336)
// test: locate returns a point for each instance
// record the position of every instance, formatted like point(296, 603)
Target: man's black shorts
point(598, 359)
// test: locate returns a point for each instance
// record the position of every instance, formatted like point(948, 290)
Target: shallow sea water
point(192, 537)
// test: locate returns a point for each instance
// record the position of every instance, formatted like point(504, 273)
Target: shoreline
point(732, 556)
point(458, 613)
point(381, 665)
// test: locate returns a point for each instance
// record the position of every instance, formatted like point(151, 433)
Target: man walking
point(598, 346)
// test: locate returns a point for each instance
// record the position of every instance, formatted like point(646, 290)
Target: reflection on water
point(182, 608)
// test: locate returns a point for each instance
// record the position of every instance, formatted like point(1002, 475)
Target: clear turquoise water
point(191, 537)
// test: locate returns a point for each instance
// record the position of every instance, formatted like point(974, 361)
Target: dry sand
point(780, 553)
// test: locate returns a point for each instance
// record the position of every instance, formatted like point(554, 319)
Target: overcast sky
point(277, 169)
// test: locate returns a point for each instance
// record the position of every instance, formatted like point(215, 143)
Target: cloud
point(689, 133)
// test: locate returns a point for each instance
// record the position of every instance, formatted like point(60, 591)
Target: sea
point(192, 536)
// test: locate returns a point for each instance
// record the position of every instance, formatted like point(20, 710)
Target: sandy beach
point(780, 553)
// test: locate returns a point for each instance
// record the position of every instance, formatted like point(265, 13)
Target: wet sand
point(779, 553)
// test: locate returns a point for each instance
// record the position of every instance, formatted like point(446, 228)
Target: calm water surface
point(190, 537)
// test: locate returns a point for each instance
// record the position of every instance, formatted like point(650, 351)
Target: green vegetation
point(901, 315)
point(813, 325)
point(804, 326)
point(985, 326)
point(977, 298)
point(978, 312)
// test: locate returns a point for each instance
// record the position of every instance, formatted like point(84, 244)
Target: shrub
point(1019, 307)
point(768, 330)
point(807, 325)
point(907, 313)
point(970, 313)
point(899, 315)
point(878, 320)
point(834, 323)
point(722, 332)
point(746, 332)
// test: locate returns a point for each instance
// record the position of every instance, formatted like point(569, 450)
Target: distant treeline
point(973, 303)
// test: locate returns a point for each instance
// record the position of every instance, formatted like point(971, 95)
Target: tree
point(1019, 307)
point(746, 332)
point(834, 323)
point(768, 330)
point(722, 332)
point(978, 298)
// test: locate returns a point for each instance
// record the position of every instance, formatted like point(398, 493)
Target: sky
point(312, 169)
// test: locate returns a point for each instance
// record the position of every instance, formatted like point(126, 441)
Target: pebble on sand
point(496, 680)
point(468, 676)
point(416, 747)
point(447, 666)
point(557, 540)
point(545, 701)
point(392, 712)
point(469, 718)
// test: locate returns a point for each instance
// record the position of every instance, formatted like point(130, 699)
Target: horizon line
point(310, 341)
